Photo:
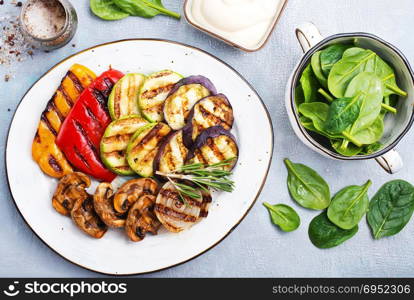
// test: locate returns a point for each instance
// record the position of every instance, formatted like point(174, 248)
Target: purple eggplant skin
point(194, 79)
point(188, 128)
point(160, 152)
point(211, 132)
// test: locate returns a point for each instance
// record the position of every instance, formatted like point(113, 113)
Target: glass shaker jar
point(48, 24)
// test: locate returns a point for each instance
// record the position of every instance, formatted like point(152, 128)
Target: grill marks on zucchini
point(171, 154)
point(44, 150)
point(115, 142)
point(208, 112)
point(154, 92)
point(214, 145)
point(143, 148)
point(123, 100)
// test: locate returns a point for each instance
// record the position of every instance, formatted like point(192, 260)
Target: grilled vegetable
point(214, 145)
point(175, 214)
point(153, 93)
point(143, 148)
point(123, 100)
point(205, 205)
point(44, 150)
point(171, 154)
point(115, 141)
point(71, 187)
point(131, 191)
point(103, 202)
point(81, 133)
point(182, 98)
point(208, 112)
point(85, 217)
point(141, 219)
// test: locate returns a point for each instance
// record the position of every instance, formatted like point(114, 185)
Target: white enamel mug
point(396, 126)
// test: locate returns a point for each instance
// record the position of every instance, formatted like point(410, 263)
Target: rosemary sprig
point(203, 176)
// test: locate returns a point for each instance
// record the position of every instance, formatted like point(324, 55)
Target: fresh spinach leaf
point(349, 205)
point(307, 187)
point(317, 112)
point(372, 94)
point(144, 8)
point(391, 208)
point(342, 114)
point(107, 10)
point(347, 149)
point(317, 70)
point(356, 60)
point(331, 55)
point(299, 96)
point(283, 216)
point(309, 85)
point(324, 234)
point(369, 135)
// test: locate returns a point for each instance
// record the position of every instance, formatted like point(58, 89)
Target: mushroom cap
point(71, 188)
point(131, 191)
point(141, 219)
point(85, 217)
point(103, 202)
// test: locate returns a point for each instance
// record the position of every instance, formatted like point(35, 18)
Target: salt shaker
point(48, 24)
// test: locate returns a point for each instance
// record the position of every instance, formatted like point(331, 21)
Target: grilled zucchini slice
point(171, 153)
point(143, 148)
point(214, 145)
point(115, 141)
point(182, 98)
point(208, 112)
point(153, 93)
point(123, 100)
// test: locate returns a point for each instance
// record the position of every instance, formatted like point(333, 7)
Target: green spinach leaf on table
point(349, 205)
point(144, 8)
point(107, 10)
point(391, 208)
point(307, 187)
point(324, 234)
point(283, 216)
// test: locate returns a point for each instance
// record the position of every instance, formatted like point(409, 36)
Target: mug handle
point(391, 161)
point(308, 35)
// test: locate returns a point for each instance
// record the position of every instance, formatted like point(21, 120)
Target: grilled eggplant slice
point(103, 202)
point(143, 147)
point(85, 217)
point(131, 191)
point(173, 213)
point(182, 98)
point(153, 93)
point(71, 187)
point(208, 112)
point(171, 153)
point(214, 145)
point(115, 141)
point(141, 219)
point(44, 150)
point(123, 100)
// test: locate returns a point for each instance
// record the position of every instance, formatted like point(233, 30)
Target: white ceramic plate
point(114, 254)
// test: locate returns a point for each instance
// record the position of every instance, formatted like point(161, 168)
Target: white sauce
point(243, 22)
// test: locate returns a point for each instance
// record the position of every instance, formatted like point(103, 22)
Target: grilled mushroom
point(70, 188)
point(85, 217)
point(103, 202)
point(141, 219)
point(173, 213)
point(131, 191)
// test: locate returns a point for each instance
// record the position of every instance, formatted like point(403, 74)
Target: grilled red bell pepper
point(81, 132)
